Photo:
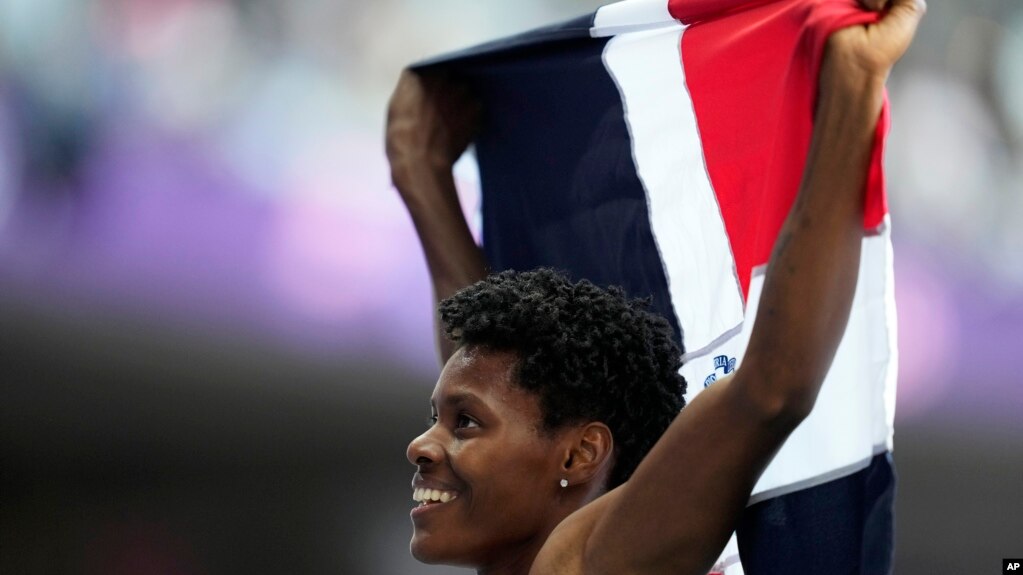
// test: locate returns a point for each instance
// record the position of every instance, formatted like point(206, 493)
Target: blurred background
point(215, 334)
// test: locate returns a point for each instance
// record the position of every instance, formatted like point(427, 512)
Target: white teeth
point(424, 495)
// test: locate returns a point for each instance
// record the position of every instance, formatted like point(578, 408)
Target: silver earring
point(564, 483)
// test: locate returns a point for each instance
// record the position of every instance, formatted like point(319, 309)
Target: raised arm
point(430, 122)
point(677, 511)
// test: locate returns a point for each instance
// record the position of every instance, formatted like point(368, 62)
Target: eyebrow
point(458, 398)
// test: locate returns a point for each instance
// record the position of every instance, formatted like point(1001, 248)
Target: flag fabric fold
point(658, 145)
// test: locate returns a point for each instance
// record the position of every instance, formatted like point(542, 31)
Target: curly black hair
point(590, 354)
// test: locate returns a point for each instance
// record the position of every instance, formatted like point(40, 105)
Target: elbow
point(781, 408)
point(779, 393)
point(792, 407)
point(796, 406)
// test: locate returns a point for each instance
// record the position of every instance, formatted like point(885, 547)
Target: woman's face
point(488, 471)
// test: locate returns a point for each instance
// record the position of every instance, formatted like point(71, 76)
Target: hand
point(430, 122)
point(867, 53)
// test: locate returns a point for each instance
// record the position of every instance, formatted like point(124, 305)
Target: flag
point(658, 145)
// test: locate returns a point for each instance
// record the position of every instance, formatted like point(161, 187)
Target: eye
point(431, 421)
point(466, 422)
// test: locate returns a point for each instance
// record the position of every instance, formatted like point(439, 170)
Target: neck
point(518, 560)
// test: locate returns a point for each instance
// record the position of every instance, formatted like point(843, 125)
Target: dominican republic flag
point(658, 145)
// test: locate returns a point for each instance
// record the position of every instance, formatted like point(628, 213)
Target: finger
point(908, 10)
point(873, 5)
point(901, 22)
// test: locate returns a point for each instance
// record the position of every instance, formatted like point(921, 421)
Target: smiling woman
point(555, 393)
point(538, 458)
point(486, 457)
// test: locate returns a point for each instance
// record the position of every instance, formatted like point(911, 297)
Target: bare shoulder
point(562, 554)
point(564, 551)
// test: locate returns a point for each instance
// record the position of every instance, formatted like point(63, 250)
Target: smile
point(427, 496)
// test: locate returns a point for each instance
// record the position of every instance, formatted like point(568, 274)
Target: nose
point(425, 449)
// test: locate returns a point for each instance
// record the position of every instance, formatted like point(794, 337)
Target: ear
point(589, 454)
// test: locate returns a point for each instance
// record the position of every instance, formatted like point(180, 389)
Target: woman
point(509, 489)
point(555, 393)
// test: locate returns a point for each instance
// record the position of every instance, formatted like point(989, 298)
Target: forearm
point(811, 278)
point(452, 256)
point(430, 122)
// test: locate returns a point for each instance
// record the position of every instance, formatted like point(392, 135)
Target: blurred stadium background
point(214, 318)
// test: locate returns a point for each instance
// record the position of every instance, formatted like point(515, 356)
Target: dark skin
point(486, 449)
point(429, 124)
point(671, 516)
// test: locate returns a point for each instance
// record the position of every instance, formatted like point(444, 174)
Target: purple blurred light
point(157, 226)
